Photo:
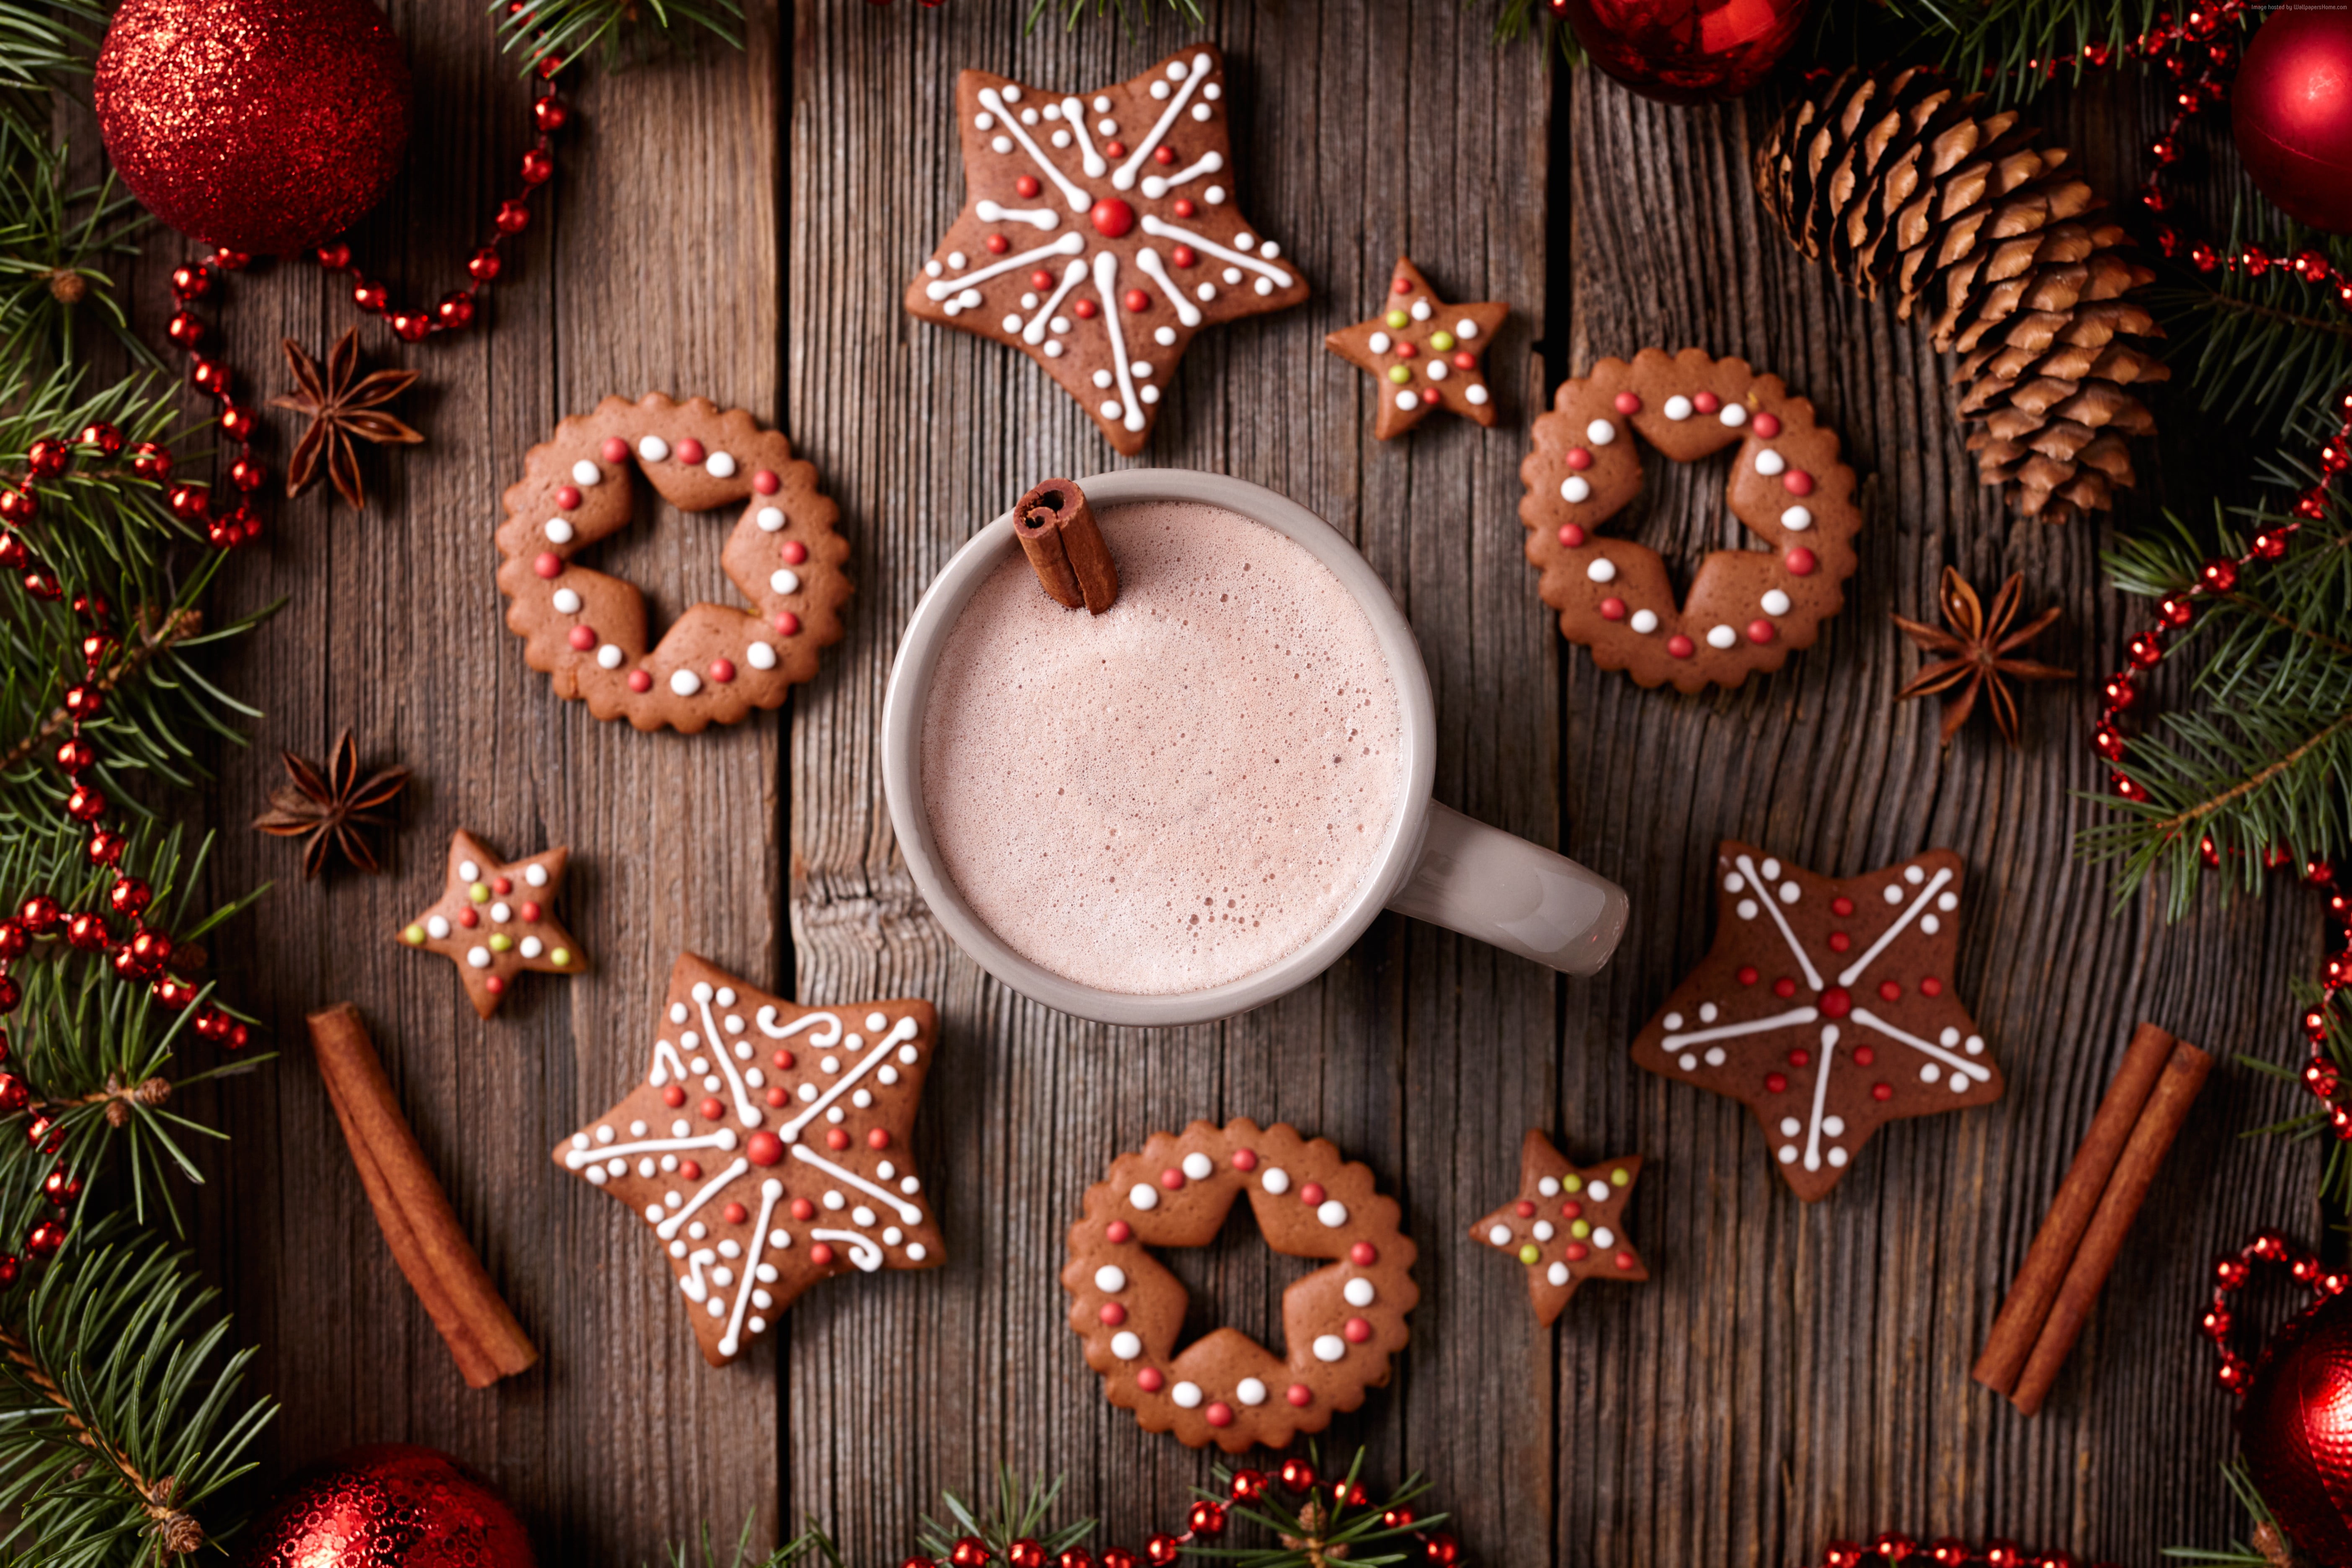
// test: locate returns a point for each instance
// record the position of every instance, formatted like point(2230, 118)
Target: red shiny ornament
point(8, 1270)
point(483, 265)
point(538, 166)
point(262, 125)
point(189, 503)
point(151, 462)
point(1842, 1554)
point(106, 847)
point(549, 113)
point(1247, 1486)
point(229, 260)
point(1075, 1557)
point(2291, 115)
point(86, 932)
point(75, 756)
point(513, 217)
point(1297, 1475)
point(411, 326)
point(10, 993)
point(2144, 649)
point(172, 996)
point(1160, 1550)
point(248, 473)
point(86, 804)
point(61, 1186)
point(45, 1239)
point(15, 939)
point(1205, 1518)
point(387, 1505)
point(1685, 51)
point(455, 311)
point(84, 702)
point(18, 506)
point(2297, 1447)
point(1895, 1548)
point(2175, 609)
point(1441, 1548)
point(152, 949)
point(43, 586)
point(1118, 1557)
point(15, 1095)
point(1025, 1553)
point(1948, 1551)
point(239, 423)
point(210, 376)
point(191, 282)
point(43, 1134)
point(334, 257)
point(46, 457)
point(41, 915)
point(2271, 543)
point(971, 1552)
point(1999, 1553)
point(372, 298)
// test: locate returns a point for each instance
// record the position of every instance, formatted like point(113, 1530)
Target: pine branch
point(57, 238)
point(1073, 11)
point(2268, 1548)
point(2259, 350)
point(810, 1543)
point(54, 37)
point(619, 33)
point(2008, 45)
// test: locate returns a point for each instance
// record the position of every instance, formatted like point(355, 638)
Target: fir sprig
point(1072, 12)
point(2268, 1546)
point(811, 1542)
point(1020, 1514)
point(618, 32)
point(52, 37)
point(1320, 1530)
point(2007, 46)
point(56, 240)
point(1518, 19)
point(2256, 350)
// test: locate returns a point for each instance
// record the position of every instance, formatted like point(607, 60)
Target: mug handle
point(1520, 897)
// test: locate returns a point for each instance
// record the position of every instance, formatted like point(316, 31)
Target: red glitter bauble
point(2295, 1426)
point(262, 125)
point(1686, 51)
point(387, 1505)
point(2291, 115)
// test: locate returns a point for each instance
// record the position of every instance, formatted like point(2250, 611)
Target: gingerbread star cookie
point(766, 1147)
point(1099, 233)
point(1424, 352)
point(1826, 1007)
point(492, 920)
point(1566, 1225)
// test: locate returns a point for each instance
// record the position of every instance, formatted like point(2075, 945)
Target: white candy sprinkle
point(585, 472)
point(1721, 636)
point(1644, 622)
point(1734, 414)
point(784, 580)
point(1602, 570)
point(558, 530)
point(609, 657)
point(1769, 462)
point(1600, 432)
point(566, 602)
point(1678, 408)
point(1575, 488)
point(652, 448)
point(685, 682)
point(761, 655)
point(1775, 602)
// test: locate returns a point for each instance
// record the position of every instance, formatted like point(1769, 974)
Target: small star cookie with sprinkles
point(1098, 232)
point(492, 920)
point(1566, 1225)
point(766, 1147)
point(1826, 1007)
point(1424, 354)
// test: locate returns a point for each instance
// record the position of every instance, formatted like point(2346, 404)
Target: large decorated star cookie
point(1826, 1007)
point(1426, 354)
point(766, 1147)
point(1566, 1225)
point(1099, 233)
point(493, 921)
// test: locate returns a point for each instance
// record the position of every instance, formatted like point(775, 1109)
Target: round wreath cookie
point(1342, 1323)
point(1746, 609)
point(587, 630)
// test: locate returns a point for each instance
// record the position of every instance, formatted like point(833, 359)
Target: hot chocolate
point(1178, 793)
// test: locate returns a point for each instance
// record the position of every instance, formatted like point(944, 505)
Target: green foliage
point(53, 37)
point(2238, 1554)
point(1354, 1534)
point(812, 1542)
point(1518, 19)
point(616, 32)
point(56, 238)
point(1073, 11)
point(2006, 46)
point(2258, 756)
point(1020, 1514)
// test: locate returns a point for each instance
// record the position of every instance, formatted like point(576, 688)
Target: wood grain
point(741, 226)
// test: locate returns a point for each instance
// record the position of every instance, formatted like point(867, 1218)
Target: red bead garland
point(1947, 1552)
point(1205, 1521)
point(2230, 1273)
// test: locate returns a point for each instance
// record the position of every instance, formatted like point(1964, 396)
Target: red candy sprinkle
point(1841, 906)
point(721, 670)
point(1184, 256)
point(1680, 646)
point(1163, 154)
point(1311, 1194)
point(640, 682)
point(1747, 974)
point(1244, 1159)
point(1799, 560)
point(1356, 1330)
point(584, 637)
point(1117, 1230)
point(468, 919)
point(735, 1213)
point(1766, 424)
point(1578, 1252)
point(1298, 1394)
point(1027, 186)
point(711, 1110)
point(1578, 458)
point(528, 910)
point(1624, 1261)
point(1406, 350)
point(494, 986)
point(614, 449)
point(1173, 1179)
point(1402, 286)
point(1840, 942)
point(803, 1210)
point(1150, 1381)
point(1432, 396)
point(1888, 991)
point(1112, 1314)
point(1864, 1056)
point(877, 1139)
point(566, 497)
point(1612, 609)
point(761, 1148)
point(1784, 987)
point(1525, 1209)
point(1185, 207)
point(793, 552)
point(1931, 986)
point(821, 1254)
point(1040, 279)
point(1465, 360)
point(690, 450)
point(1882, 1091)
point(1573, 536)
point(778, 1097)
point(1219, 1414)
point(783, 1059)
point(1705, 402)
point(787, 624)
point(836, 1139)
point(766, 482)
point(674, 1096)
point(1111, 217)
point(1836, 1001)
point(1801, 1057)
point(548, 563)
point(1761, 631)
point(1086, 309)
point(1798, 482)
point(1135, 300)
point(1114, 149)
point(691, 1169)
point(1571, 1209)
point(1627, 402)
point(1363, 1255)
point(1775, 1083)
point(997, 243)
point(501, 886)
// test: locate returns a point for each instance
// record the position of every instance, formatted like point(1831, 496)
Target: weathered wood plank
point(393, 626)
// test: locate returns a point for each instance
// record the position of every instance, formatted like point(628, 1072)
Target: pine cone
point(1902, 183)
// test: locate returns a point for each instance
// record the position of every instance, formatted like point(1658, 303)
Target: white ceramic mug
point(1436, 865)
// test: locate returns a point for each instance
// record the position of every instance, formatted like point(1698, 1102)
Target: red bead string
point(138, 953)
point(2230, 1273)
point(1204, 1521)
point(1950, 1551)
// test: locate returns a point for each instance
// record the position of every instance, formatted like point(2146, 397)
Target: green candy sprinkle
point(1529, 1254)
point(1398, 321)
point(501, 942)
point(414, 936)
point(479, 892)
point(560, 957)
point(1400, 374)
point(1619, 1176)
point(1580, 1229)
point(1441, 341)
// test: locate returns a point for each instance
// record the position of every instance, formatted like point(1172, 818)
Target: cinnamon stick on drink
point(2083, 1232)
point(1064, 545)
point(418, 1223)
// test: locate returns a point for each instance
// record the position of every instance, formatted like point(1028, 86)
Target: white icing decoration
point(1044, 219)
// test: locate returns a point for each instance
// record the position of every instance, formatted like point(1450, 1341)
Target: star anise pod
point(344, 406)
point(333, 808)
point(1977, 653)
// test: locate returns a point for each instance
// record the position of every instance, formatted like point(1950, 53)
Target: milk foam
point(1179, 792)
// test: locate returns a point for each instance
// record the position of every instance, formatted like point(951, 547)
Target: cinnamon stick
point(1064, 545)
point(2159, 1122)
point(2027, 1305)
point(410, 1205)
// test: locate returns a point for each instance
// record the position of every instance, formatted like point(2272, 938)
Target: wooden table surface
point(739, 226)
